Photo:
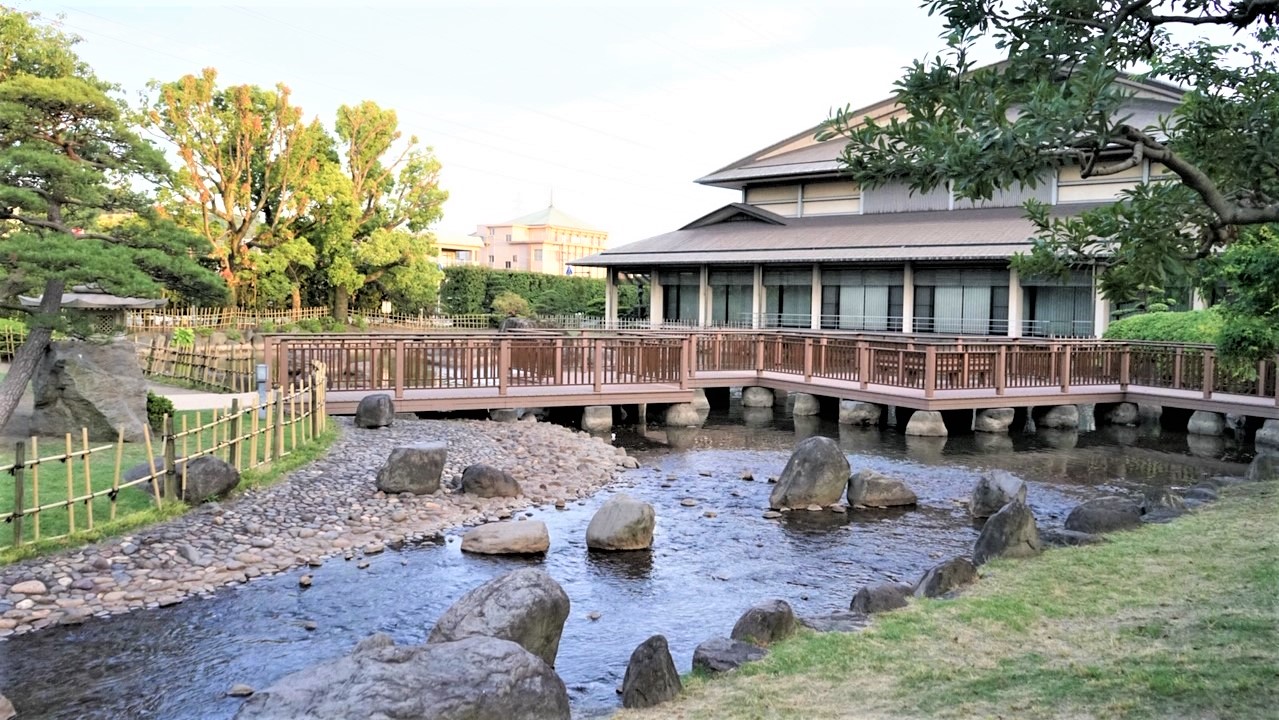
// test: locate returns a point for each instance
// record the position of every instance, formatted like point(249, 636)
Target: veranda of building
point(805, 248)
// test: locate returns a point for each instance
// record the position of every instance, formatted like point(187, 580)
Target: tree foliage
point(1061, 97)
point(471, 290)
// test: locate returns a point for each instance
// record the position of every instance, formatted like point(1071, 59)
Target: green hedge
point(470, 290)
point(1193, 326)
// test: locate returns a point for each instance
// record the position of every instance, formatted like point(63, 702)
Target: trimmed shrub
point(157, 407)
point(1193, 326)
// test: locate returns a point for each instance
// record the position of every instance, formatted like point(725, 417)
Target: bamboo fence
point(91, 478)
point(216, 318)
point(228, 367)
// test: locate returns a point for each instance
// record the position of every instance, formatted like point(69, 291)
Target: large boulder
point(1267, 436)
point(815, 475)
point(880, 597)
point(597, 418)
point(6, 709)
point(1011, 532)
point(838, 621)
point(701, 403)
point(1058, 537)
point(529, 537)
point(994, 420)
point(375, 411)
point(525, 606)
point(651, 678)
point(1104, 514)
point(1124, 413)
point(721, 654)
point(872, 489)
point(765, 623)
point(487, 481)
point(476, 678)
point(683, 415)
point(621, 523)
point(926, 423)
point(207, 477)
point(946, 578)
point(1265, 466)
point(852, 412)
point(1058, 417)
point(805, 404)
point(994, 490)
point(1203, 422)
point(98, 386)
point(413, 469)
point(757, 397)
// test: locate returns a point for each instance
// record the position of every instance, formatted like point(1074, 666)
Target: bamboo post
point(115, 478)
point(293, 415)
point(88, 477)
point(254, 425)
point(237, 430)
point(313, 401)
point(19, 488)
point(279, 423)
point(70, 468)
point(35, 486)
point(155, 481)
point(170, 460)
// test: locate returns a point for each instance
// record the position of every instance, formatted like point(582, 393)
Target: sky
point(612, 109)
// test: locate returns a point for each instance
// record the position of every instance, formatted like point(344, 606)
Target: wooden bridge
point(442, 372)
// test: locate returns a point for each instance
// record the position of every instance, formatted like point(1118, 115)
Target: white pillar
point(1101, 315)
point(816, 318)
point(703, 296)
point(1015, 310)
point(1197, 301)
point(908, 298)
point(610, 297)
point(655, 299)
point(757, 298)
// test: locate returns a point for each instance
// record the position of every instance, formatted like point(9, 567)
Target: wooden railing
point(406, 362)
point(75, 485)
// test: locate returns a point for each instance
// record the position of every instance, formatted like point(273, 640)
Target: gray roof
point(978, 234)
point(552, 216)
point(92, 297)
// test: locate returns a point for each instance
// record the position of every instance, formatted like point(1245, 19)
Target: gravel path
point(328, 508)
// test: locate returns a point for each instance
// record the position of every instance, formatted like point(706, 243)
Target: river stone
point(525, 606)
point(1103, 515)
point(1011, 532)
point(1059, 417)
point(413, 469)
point(683, 415)
point(945, 578)
point(838, 621)
point(699, 402)
point(805, 404)
point(757, 397)
point(207, 477)
point(765, 623)
point(815, 475)
point(1267, 435)
point(1265, 466)
point(651, 678)
point(488, 482)
point(621, 523)
point(869, 488)
point(1124, 413)
point(721, 654)
point(880, 597)
point(994, 420)
point(1058, 537)
point(1159, 502)
point(375, 411)
point(926, 423)
point(29, 587)
point(504, 415)
point(98, 386)
point(476, 678)
point(995, 489)
point(6, 709)
point(507, 538)
point(1203, 422)
point(597, 418)
point(852, 412)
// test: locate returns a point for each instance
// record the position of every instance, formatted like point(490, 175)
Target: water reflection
point(927, 450)
point(992, 442)
point(807, 426)
point(753, 417)
point(631, 565)
point(1206, 446)
point(1058, 438)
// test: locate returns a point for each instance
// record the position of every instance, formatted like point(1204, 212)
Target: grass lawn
point(134, 507)
point(1170, 621)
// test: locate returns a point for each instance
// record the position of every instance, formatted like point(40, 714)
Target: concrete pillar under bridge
point(957, 422)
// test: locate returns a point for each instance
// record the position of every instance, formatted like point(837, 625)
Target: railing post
point(279, 422)
point(19, 488)
point(503, 365)
point(930, 370)
point(1001, 370)
point(1261, 378)
point(597, 369)
point(1176, 369)
point(1065, 368)
point(759, 354)
point(692, 355)
point(1209, 361)
point(399, 369)
point(1276, 380)
point(559, 361)
point(863, 363)
point(821, 357)
point(1125, 367)
point(808, 359)
point(684, 362)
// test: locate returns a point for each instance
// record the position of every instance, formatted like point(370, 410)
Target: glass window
point(537, 254)
point(788, 297)
point(732, 296)
point(862, 299)
point(680, 296)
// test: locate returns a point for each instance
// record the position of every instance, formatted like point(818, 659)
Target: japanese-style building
point(805, 248)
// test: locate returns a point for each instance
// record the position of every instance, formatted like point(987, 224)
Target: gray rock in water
point(651, 678)
point(720, 654)
point(375, 411)
point(1058, 417)
point(757, 397)
point(1267, 436)
point(476, 678)
point(1124, 413)
point(1161, 501)
point(995, 489)
point(413, 469)
point(207, 477)
point(805, 404)
point(1203, 422)
point(683, 415)
point(839, 621)
point(504, 415)
point(6, 709)
point(852, 412)
point(946, 578)
point(597, 418)
point(1057, 537)
point(926, 423)
point(525, 606)
point(993, 420)
point(765, 623)
point(621, 523)
point(237, 690)
point(1202, 492)
point(815, 475)
point(872, 489)
point(508, 538)
point(1011, 532)
point(487, 481)
point(1103, 515)
point(98, 386)
point(880, 597)
point(1265, 466)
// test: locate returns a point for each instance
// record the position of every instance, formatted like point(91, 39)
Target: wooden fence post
point(19, 489)
point(279, 422)
point(313, 401)
point(237, 431)
point(1065, 368)
point(170, 461)
point(151, 356)
point(1001, 370)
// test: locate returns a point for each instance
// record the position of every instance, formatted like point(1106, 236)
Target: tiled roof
point(550, 215)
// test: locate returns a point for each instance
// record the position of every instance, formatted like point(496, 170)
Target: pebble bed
point(326, 509)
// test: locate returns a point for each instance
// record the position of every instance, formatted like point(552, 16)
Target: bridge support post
point(1210, 368)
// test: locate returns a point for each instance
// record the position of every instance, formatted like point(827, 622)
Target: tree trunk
point(28, 356)
point(341, 298)
point(297, 299)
